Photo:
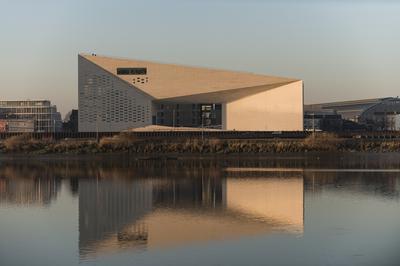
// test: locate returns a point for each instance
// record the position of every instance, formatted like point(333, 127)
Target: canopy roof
point(179, 83)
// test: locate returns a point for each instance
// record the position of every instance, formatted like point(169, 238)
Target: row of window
point(132, 71)
point(176, 106)
point(203, 107)
point(177, 114)
point(23, 103)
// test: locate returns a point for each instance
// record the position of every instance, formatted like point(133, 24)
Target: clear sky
point(342, 49)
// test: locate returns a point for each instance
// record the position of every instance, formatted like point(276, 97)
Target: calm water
point(291, 210)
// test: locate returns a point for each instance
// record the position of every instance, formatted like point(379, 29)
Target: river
point(315, 209)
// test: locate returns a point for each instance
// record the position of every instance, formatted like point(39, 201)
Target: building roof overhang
point(176, 83)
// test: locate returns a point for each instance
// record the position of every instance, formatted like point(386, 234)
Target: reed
point(126, 143)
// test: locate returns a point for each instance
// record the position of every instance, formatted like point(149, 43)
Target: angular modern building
point(119, 94)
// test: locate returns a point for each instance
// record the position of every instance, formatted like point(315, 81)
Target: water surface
point(120, 210)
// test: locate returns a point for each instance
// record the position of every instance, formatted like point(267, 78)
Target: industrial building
point(120, 94)
point(322, 121)
point(29, 116)
point(371, 114)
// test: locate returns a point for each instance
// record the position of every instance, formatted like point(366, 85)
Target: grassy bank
point(129, 144)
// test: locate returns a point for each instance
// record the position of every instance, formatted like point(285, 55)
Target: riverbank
point(128, 144)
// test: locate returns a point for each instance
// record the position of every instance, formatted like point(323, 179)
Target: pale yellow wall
point(279, 109)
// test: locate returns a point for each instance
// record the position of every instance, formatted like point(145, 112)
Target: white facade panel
point(109, 104)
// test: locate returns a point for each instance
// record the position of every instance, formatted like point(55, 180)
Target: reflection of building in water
point(188, 192)
point(116, 206)
point(28, 191)
point(106, 206)
point(279, 200)
point(147, 213)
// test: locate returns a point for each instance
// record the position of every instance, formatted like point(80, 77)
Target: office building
point(120, 94)
point(20, 115)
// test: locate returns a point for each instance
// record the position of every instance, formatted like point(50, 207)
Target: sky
point(342, 49)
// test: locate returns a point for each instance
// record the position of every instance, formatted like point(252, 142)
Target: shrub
point(322, 142)
point(118, 142)
point(18, 143)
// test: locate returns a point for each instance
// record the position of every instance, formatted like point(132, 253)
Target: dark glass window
point(132, 71)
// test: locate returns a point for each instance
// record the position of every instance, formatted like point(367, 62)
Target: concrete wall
point(279, 109)
point(107, 103)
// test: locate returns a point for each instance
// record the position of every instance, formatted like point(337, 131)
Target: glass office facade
point(188, 115)
point(44, 115)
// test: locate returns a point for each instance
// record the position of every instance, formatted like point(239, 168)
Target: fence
point(207, 134)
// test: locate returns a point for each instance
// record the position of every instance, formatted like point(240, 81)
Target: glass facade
point(189, 115)
point(132, 71)
point(44, 115)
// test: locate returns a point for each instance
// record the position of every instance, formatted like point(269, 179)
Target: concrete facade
point(119, 94)
point(279, 109)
